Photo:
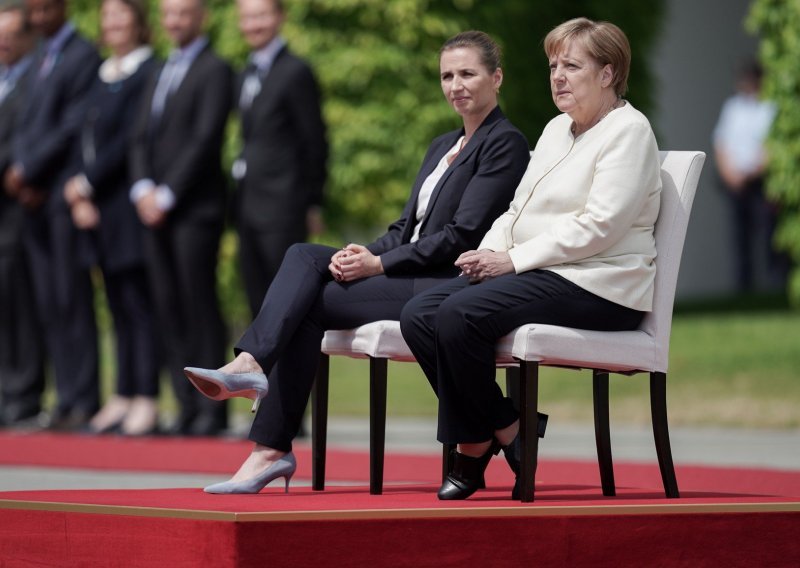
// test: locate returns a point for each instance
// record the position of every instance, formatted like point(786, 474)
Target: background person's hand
point(85, 214)
point(149, 212)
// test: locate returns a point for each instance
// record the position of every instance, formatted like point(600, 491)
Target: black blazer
point(285, 147)
point(102, 156)
point(182, 148)
point(50, 123)
point(473, 192)
point(11, 213)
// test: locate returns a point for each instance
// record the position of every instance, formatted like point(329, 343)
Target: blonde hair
point(604, 41)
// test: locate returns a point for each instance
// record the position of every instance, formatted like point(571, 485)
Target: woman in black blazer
point(466, 180)
point(111, 231)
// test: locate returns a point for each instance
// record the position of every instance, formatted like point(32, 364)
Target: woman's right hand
point(335, 266)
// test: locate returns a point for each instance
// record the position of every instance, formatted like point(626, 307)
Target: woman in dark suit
point(101, 208)
point(466, 180)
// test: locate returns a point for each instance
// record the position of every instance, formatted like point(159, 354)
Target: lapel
point(184, 87)
point(466, 152)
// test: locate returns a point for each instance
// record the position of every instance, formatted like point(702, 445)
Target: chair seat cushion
point(381, 339)
point(618, 351)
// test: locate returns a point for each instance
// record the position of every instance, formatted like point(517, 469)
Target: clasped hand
point(482, 265)
point(354, 262)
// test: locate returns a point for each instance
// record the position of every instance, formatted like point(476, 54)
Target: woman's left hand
point(481, 265)
point(359, 263)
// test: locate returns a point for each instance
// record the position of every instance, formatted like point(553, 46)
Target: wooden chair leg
point(528, 425)
point(377, 422)
point(319, 423)
point(602, 432)
point(512, 385)
point(658, 409)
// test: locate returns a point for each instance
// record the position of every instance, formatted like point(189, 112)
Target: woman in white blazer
point(575, 248)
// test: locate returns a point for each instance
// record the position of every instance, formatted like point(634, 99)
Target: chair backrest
point(680, 172)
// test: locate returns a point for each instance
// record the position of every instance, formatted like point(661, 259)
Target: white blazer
point(586, 207)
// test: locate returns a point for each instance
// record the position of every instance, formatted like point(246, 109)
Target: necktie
point(165, 85)
point(47, 64)
point(251, 86)
point(5, 85)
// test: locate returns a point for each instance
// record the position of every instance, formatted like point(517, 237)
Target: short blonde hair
point(604, 41)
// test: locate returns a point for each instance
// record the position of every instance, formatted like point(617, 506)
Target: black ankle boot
point(467, 475)
point(513, 451)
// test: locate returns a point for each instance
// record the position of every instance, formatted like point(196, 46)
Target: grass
point(731, 363)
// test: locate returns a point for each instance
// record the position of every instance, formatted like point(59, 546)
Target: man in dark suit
point(282, 168)
point(180, 197)
point(49, 125)
point(21, 365)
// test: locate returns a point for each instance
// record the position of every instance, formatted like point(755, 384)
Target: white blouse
point(429, 184)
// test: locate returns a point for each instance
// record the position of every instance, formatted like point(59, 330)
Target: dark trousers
point(261, 254)
point(134, 326)
point(182, 263)
point(452, 330)
point(65, 304)
point(754, 222)
point(21, 353)
point(302, 302)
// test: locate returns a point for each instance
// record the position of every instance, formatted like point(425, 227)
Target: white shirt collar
point(116, 69)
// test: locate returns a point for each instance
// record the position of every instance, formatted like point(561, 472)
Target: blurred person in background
point(179, 191)
point(282, 168)
point(110, 229)
point(49, 127)
point(741, 159)
point(21, 355)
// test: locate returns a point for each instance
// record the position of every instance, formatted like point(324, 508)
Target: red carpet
point(725, 517)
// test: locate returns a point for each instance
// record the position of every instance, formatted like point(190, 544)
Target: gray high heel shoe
point(217, 385)
point(284, 467)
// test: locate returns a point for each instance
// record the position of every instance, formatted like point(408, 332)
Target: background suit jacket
point(102, 156)
point(11, 213)
point(285, 148)
point(50, 124)
point(475, 189)
point(182, 147)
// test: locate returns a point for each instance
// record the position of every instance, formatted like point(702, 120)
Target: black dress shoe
point(513, 453)
point(206, 424)
point(71, 421)
point(182, 426)
point(467, 475)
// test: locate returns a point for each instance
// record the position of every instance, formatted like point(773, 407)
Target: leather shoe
point(513, 453)
point(467, 475)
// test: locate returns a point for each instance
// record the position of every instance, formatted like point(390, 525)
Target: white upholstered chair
point(645, 350)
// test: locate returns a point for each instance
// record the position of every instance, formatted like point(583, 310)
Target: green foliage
point(377, 63)
point(777, 22)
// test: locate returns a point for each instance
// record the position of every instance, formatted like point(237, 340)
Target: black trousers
point(65, 305)
point(21, 351)
point(261, 253)
point(134, 326)
point(452, 330)
point(302, 302)
point(182, 262)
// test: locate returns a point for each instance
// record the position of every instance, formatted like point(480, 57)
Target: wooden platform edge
point(411, 513)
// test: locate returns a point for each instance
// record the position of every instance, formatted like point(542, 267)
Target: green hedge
point(778, 22)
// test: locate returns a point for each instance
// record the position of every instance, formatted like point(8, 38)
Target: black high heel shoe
point(467, 474)
point(513, 452)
